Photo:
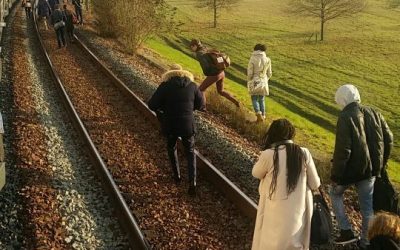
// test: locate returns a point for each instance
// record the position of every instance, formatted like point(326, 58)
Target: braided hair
point(279, 133)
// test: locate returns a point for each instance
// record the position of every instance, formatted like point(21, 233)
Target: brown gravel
point(43, 223)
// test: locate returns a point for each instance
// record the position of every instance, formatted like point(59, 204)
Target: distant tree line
point(132, 21)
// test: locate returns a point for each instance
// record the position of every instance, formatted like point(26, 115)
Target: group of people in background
point(287, 173)
point(61, 18)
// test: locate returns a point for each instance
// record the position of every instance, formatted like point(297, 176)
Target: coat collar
point(180, 73)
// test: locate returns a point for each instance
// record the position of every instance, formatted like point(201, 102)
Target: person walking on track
point(174, 102)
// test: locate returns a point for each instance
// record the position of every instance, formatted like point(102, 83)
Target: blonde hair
point(385, 224)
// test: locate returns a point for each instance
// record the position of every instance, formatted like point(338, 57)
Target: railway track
point(131, 158)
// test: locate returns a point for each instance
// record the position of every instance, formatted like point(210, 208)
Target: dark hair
point(278, 133)
point(261, 47)
point(195, 42)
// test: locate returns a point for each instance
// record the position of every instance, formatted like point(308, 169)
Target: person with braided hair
point(287, 175)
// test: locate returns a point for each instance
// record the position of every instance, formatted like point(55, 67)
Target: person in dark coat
point(53, 4)
point(362, 149)
point(176, 98)
point(57, 17)
point(384, 232)
point(44, 11)
point(78, 10)
point(28, 7)
point(69, 23)
point(213, 75)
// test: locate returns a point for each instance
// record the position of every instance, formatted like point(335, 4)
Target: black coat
point(177, 97)
point(363, 144)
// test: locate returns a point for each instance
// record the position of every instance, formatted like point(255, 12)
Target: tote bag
point(321, 221)
point(385, 196)
point(259, 84)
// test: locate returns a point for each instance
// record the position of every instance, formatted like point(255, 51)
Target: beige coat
point(255, 69)
point(284, 222)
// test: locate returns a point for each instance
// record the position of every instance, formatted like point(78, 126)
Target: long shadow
point(290, 105)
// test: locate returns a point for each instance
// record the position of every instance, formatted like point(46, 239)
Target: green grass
point(363, 50)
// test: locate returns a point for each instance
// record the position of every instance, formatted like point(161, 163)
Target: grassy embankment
point(364, 50)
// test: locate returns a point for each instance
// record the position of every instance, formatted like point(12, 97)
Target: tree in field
point(326, 10)
point(216, 6)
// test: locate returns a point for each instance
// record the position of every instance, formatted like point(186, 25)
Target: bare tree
point(326, 10)
point(216, 6)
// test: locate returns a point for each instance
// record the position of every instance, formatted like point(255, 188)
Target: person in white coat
point(259, 71)
point(287, 177)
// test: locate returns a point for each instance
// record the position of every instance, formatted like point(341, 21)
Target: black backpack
point(385, 196)
point(321, 221)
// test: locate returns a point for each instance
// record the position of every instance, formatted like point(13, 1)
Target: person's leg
point(346, 233)
point(255, 103)
point(188, 144)
point(365, 190)
point(62, 34)
point(336, 194)
point(58, 34)
point(207, 82)
point(261, 101)
point(173, 156)
point(222, 92)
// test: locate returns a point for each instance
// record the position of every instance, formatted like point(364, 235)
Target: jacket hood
point(259, 53)
point(347, 94)
point(178, 73)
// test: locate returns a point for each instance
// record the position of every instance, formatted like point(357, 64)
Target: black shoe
point(346, 237)
point(192, 191)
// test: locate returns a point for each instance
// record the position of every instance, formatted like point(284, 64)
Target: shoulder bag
point(321, 222)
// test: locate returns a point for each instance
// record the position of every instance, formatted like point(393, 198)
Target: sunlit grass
point(364, 51)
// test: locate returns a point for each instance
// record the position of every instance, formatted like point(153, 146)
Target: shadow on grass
point(283, 99)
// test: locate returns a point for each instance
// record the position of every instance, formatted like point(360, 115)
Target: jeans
point(60, 37)
point(365, 190)
point(258, 103)
point(188, 144)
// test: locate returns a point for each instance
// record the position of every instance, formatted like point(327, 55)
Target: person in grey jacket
point(175, 100)
point(362, 149)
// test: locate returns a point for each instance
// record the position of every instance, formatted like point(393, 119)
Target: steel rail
point(229, 189)
point(127, 220)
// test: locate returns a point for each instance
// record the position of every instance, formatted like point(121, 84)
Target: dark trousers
point(188, 144)
point(60, 37)
point(28, 11)
point(78, 13)
point(70, 33)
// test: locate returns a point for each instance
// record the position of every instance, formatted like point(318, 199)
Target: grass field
point(363, 50)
